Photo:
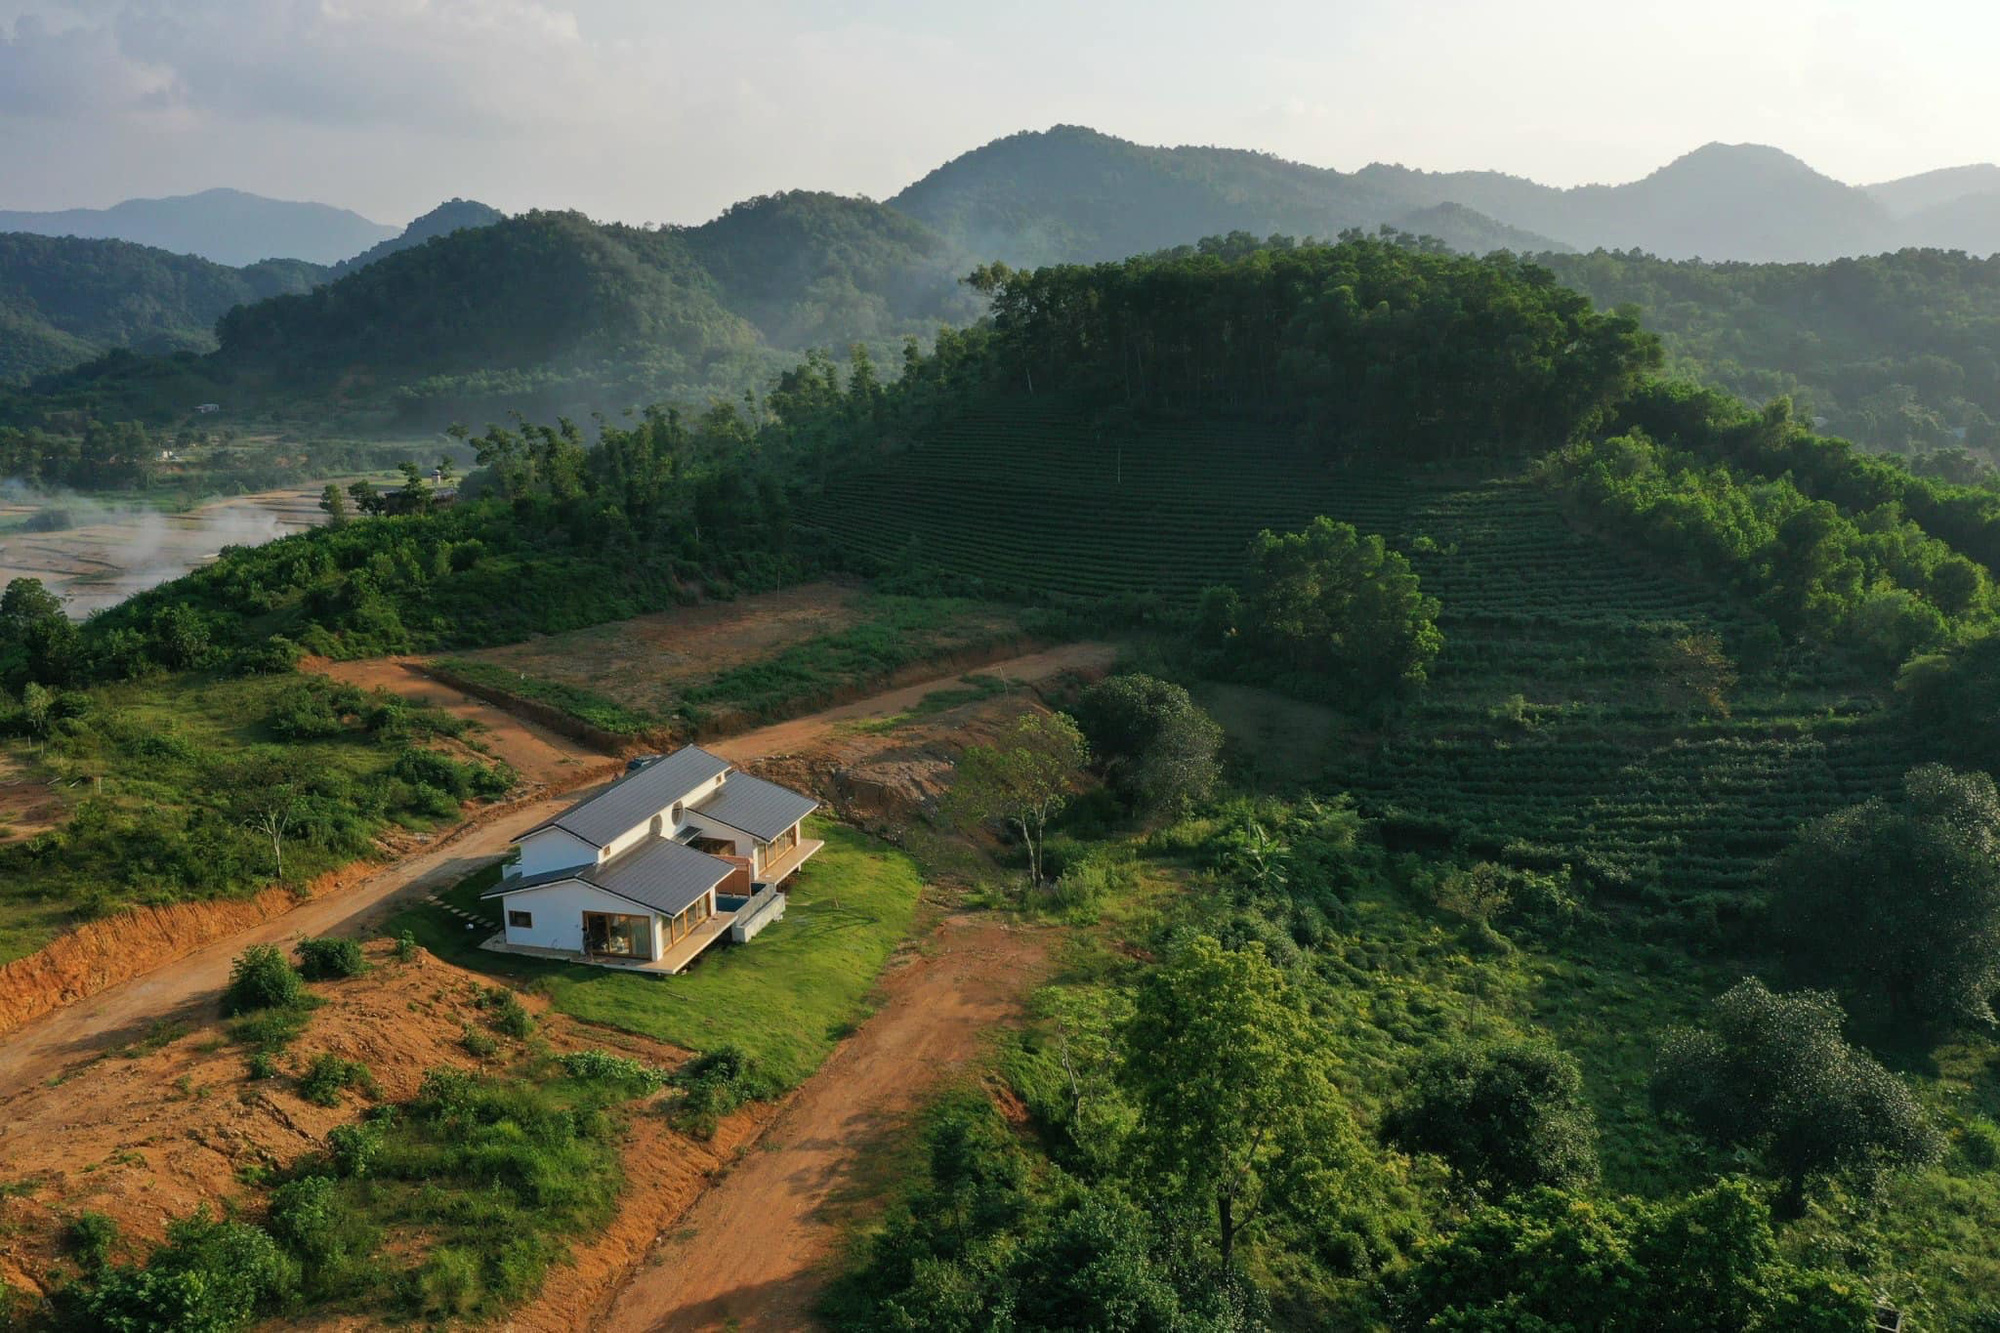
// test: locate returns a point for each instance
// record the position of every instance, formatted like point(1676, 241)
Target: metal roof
point(761, 809)
point(659, 873)
point(631, 801)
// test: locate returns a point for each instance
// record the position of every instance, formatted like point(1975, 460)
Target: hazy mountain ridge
point(454, 214)
point(223, 226)
point(1073, 194)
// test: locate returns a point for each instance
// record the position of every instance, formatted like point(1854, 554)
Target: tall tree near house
point(1023, 780)
point(1156, 749)
point(1237, 1108)
point(416, 494)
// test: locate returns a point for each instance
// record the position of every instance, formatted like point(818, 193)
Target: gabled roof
point(630, 801)
point(659, 873)
point(761, 809)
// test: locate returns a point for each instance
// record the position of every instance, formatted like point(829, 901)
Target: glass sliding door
point(617, 935)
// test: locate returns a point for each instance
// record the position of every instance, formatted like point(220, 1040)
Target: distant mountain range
point(222, 226)
point(65, 299)
point(1071, 193)
point(466, 312)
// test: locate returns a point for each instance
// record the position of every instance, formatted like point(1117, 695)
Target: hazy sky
point(657, 110)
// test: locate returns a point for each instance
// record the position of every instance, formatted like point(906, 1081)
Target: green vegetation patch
point(189, 787)
point(782, 1000)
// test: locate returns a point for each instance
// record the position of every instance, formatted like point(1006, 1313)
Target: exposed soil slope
point(148, 1135)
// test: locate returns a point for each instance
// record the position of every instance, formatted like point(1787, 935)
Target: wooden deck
point(781, 869)
point(676, 958)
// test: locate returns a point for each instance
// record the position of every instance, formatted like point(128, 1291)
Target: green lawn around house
point(785, 998)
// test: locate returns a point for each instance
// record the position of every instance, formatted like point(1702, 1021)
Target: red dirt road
point(751, 1254)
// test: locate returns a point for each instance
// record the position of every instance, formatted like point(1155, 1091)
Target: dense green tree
point(333, 503)
point(1155, 747)
point(1770, 1072)
point(1328, 601)
point(1902, 897)
point(1238, 1113)
point(1506, 1116)
point(1023, 780)
point(1548, 1262)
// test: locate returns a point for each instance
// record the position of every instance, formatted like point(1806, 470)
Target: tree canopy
point(1156, 748)
point(1506, 1116)
point(1770, 1072)
point(1902, 898)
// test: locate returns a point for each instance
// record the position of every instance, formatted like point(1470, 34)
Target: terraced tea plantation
point(1547, 735)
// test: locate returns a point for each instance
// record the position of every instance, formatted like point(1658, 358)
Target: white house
point(657, 867)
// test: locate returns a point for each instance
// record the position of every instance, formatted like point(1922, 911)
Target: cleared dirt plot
point(107, 553)
point(716, 668)
point(189, 1114)
point(29, 801)
point(540, 756)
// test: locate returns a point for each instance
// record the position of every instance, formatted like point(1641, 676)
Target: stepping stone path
point(470, 919)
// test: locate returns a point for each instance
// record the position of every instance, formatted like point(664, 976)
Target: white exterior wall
point(558, 911)
point(553, 849)
point(637, 834)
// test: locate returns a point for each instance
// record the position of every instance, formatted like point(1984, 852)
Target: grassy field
point(721, 666)
point(152, 774)
point(786, 998)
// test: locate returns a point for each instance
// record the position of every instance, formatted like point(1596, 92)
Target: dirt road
point(751, 1254)
point(113, 1017)
point(185, 991)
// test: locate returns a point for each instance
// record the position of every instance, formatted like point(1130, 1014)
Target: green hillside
point(1898, 351)
point(64, 299)
point(1548, 734)
point(450, 216)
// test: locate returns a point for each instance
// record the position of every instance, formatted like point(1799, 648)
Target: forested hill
point(813, 269)
point(552, 313)
point(64, 299)
point(1898, 351)
point(1071, 194)
point(225, 226)
point(448, 217)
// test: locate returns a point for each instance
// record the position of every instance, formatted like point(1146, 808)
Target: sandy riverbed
point(113, 553)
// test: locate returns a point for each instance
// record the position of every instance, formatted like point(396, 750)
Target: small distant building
point(205, 408)
point(657, 867)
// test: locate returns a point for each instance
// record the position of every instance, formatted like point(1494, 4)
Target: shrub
point(604, 1067)
point(508, 1015)
point(354, 1149)
point(260, 1065)
point(326, 958)
point(261, 979)
point(478, 1044)
point(713, 1085)
point(209, 1276)
point(328, 1076)
point(90, 1237)
point(406, 948)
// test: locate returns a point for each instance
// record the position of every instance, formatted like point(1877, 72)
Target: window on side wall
point(521, 920)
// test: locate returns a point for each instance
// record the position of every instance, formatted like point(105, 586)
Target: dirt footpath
point(751, 1254)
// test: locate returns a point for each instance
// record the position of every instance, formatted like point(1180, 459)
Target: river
point(112, 552)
